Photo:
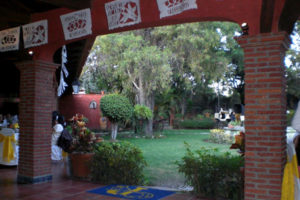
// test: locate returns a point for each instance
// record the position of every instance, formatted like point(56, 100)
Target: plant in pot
point(82, 147)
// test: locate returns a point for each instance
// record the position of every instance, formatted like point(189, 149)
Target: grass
point(162, 153)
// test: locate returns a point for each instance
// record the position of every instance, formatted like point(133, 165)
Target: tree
point(180, 61)
point(131, 65)
point(116, 108)
point(293, 68)
point(203, 53)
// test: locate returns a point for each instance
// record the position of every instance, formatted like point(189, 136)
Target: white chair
point(9, 140)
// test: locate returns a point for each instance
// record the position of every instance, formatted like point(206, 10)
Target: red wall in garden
point(80, 103)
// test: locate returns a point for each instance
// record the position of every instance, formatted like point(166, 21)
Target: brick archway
point(265, 83)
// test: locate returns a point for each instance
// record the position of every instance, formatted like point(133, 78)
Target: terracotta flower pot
point(80, 164)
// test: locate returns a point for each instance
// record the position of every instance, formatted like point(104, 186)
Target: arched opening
point(267, 47)
point(192, 75)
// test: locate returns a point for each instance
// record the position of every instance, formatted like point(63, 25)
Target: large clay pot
point(80, 163)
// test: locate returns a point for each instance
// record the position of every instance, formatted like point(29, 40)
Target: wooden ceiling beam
point(12, 16)
point(72, 4)
point(20, 5)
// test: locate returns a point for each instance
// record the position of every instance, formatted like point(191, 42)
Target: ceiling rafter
point(13, 17)
point(20, 5)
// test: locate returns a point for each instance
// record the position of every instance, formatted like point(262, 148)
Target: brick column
point(265, 114)
point(35, 110)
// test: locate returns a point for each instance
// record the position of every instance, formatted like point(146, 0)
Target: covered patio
point(31, 74)
point(62, 187)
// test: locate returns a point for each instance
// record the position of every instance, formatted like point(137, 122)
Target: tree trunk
point(172, 116)
point(114, 131)
point(183, 106)
point(147, 101)
point(149, 123)
point(141, 91)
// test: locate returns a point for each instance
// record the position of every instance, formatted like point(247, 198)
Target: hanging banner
point(35, 34)
point(77, 24)
point(62, 84)
point(174, 7)
point(9, 39)
point(122, 13)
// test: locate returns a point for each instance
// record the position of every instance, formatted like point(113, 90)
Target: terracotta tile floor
point(61, 187)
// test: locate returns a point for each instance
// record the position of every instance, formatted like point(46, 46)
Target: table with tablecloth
point(9, 148)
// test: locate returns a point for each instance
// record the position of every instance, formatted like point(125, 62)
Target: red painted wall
point(80, 103)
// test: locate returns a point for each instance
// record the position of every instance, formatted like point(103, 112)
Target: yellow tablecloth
point(8, 148)
point(291, 183)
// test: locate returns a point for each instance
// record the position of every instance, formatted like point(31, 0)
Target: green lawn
point(161, 154)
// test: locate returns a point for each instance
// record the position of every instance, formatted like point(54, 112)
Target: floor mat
point(132, 192)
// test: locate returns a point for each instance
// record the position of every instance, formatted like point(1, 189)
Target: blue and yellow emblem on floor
point(132, 192)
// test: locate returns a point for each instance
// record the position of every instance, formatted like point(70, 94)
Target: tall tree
point(138, 63)
point(203, 53)
point(139, 68)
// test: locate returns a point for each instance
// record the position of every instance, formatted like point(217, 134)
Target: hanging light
point(75, 86)
point(30, 52)
point(245, 28)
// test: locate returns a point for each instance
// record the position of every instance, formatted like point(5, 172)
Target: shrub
point(179, 116)
point(142, 112)
point(219, 136)
point(116, 108)
point(207, 111)
point(200, 116)
point(118, 162)
point(213, 174)
point(205, 123)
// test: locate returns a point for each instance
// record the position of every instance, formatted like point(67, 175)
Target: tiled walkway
point(60, 188)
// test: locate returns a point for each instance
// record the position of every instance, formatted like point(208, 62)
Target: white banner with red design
point(174, 7)
point(63, 72)
point(35, 34)
point(122, 13)
point(77, 24)
point(9, 39)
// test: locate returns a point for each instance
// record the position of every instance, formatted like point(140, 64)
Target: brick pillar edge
point(265, 114)
point(36, 105)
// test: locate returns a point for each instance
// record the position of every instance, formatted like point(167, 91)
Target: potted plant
point(240, 145)
point(82, 146)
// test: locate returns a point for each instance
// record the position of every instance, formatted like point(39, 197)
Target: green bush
point(200, 116)
point(142, 112)
point(179, 116)
point(220, 137)
point(213, 174)
point(118, 163)
point(205, 123)
point(116, 108)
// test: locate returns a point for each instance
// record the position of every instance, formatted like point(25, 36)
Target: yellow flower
point(16, 126)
